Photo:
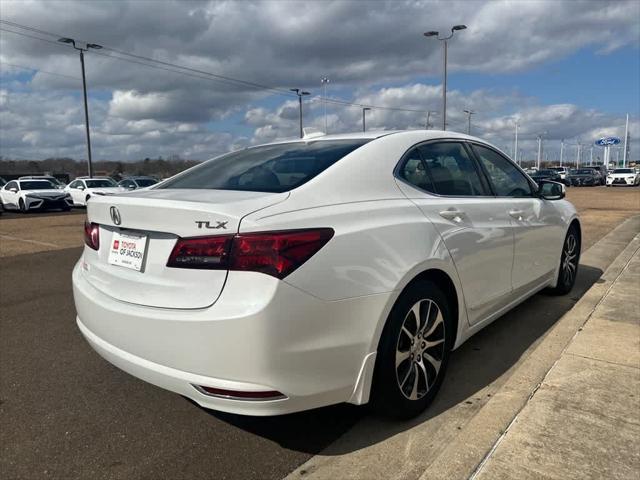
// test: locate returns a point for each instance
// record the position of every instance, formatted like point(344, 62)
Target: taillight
point(273, 253)
point(201, 252)
point(92, 235)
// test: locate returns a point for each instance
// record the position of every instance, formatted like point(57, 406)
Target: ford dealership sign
point(606, 141)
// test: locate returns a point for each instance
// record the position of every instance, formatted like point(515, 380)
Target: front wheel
point(569, 261)
point(22, 206)
point(413, 352)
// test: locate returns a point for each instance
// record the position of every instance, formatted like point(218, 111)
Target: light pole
point(429, 113)
point(95, 46)
point(539, 137)
point(364, 109)
point(300, 94)
point(469, 113)
point(561, 150)
point(445, 40)
point(323, 82)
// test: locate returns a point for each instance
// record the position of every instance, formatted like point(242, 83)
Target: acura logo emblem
point(115, 216)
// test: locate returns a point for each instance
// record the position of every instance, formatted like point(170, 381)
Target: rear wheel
point(413, 353)
point(569, 261)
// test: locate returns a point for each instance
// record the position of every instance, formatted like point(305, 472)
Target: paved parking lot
point(65, 413)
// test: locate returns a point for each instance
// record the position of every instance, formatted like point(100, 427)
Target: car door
point(448, 187)
point(538, 228)
point(10, 198)
point(76, 193)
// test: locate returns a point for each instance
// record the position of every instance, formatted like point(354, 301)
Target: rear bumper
point(262, 334)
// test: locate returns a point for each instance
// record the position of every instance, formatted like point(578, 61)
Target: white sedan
point(30, 195)
point(82, 189)
point(304, 273)
point(623, 176)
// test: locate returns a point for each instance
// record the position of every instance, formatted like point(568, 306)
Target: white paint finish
point(314, 334)
point(32, 199)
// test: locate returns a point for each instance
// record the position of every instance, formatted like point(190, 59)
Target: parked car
point(562, 171)
point(29, 195)
point(83, 188)
point(584, 177)
point(623, 176)
point(134, 183)
point(601, 171)
point(546, 174)
point(54, 181)
point(304, 273)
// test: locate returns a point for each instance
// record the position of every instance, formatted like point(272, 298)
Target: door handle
point(452, 214)
point(517, 214)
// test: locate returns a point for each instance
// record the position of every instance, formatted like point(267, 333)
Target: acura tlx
point(309, 272)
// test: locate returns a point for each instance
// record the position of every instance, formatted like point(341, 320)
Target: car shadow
point(476, 364)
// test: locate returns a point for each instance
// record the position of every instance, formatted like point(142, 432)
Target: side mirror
point(80, 187)
point(551, 190)
point(13, 189)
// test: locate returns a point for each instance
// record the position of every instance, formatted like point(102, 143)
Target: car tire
point(86, 200)
point(569, 262)
point(406, 380)
point(22, 206)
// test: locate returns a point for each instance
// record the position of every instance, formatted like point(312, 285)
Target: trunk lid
point(163, 215)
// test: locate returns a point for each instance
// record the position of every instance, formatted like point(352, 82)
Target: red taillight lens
point(92, 235)
point(274, 253)
point(201, 252)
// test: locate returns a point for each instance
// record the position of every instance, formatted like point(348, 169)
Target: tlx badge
point(207, 224)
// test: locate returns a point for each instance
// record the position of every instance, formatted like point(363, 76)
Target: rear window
point(100, 183)
point(268, 168)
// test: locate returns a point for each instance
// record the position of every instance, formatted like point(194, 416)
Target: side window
point(414, 172)
point(11, 185)
point(74, 184)
point(451, 170)
point(506, 179)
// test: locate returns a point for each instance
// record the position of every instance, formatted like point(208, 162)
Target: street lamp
point(469, 113)
point(95, 46)
point(445, 40)
point(429, 113)
point(364, 109)
point(323, 82)
point(515, 146)
point(539, 137)
point(300, 95)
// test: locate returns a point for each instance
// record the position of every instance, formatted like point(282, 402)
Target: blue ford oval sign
point(605, 141)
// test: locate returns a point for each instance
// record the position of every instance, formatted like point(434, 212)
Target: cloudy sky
point(198, 78)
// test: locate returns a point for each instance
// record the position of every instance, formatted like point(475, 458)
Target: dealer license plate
point(127, 250)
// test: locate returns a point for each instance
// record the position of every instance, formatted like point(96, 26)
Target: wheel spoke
point(408, 333)
point(414, 389)
point(434, 363)
point(436, 322)
point(435, 343)
point(423, 371)
point(401, 357)
point(406, 377)
point(416, 313)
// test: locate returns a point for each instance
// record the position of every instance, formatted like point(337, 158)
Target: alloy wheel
point(420, 349)
point(570, 259)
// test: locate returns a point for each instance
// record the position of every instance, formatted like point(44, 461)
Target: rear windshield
point(269, 168)
point(583, 171)
point(146, 182)
point(100, 183)
point(36, 185)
